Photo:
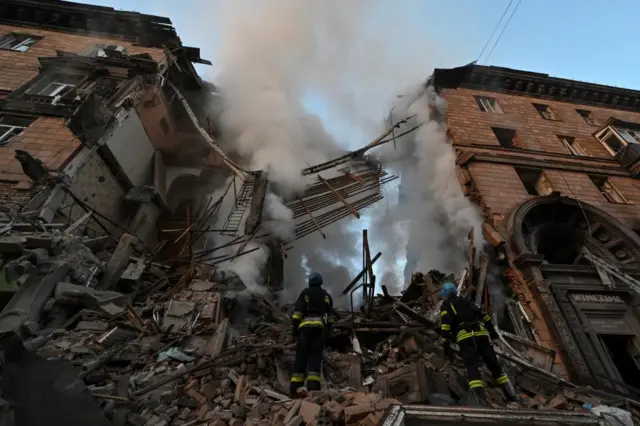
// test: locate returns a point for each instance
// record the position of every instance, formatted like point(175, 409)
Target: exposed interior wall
point(130, 146)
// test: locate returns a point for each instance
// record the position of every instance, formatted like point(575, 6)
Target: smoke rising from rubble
point(273, 55)
point(436, 215)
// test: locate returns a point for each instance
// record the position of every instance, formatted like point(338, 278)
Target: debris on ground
point(137, 342)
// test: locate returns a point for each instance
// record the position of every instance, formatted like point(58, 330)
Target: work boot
point(479, 396)
point(510, 392)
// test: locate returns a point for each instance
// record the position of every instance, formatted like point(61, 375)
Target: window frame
point(603, 135)
point(573, 146)
point(484, 104)
point(7, 129)
point(546, 109)
point(608, 190)
point(21, 38)
point(588, 118)
point(72, 81)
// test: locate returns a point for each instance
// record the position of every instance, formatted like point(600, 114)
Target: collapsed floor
point(97, 333)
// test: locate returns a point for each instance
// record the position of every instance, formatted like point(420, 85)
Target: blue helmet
point(315, 280)
point(448, 290)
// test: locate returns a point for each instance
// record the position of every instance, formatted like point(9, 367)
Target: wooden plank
point(216, 344)
point(340, 197)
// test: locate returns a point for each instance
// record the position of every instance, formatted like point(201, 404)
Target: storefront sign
point(596, 298)
point(611, 326)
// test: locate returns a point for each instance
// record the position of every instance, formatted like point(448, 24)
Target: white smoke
point(433, 217)
point(354, 56)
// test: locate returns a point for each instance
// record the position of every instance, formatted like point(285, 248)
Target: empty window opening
point(608, 190)
point(534, 181)
point(11, 126)
point(506, 137)
point(558, 243)
point(100, 50)
point(18, 42)
point(623, 352)
point(487, 104)
point(588, 117)
point(545, 112)
point(572, 146)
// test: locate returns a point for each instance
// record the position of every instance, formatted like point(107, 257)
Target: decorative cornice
point(501, 157)
point(516, 82)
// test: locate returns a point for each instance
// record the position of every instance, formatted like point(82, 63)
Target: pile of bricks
point(132, 342)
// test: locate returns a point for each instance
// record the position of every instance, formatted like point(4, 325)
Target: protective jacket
point(463, 319)
point(471, 327)
point(311, 321)
point(313, 308)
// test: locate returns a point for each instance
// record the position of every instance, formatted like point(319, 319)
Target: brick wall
point(47, 139)
point(499, 186)
point(17, 68)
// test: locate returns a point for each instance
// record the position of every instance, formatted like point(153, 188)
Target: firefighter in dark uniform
point(463, 322)
point(311, 320)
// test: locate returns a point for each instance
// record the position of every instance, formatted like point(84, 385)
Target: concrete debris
point(174, 345)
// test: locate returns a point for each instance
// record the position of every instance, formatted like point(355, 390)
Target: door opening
point(624, 354)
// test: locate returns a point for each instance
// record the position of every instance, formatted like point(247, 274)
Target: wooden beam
point(313, 219)
point(340, 197)
point(354, 177)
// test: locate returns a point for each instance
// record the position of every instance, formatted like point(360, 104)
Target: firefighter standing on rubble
point(471, 327)
point(311, 321)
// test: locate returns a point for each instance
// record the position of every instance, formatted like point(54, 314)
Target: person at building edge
point(311, 321)
point(472, 329)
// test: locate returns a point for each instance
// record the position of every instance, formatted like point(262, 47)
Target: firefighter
point(311, 321)
point(471, 328)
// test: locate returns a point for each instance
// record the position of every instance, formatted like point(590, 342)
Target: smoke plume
point(353, 58)
point(435, 215)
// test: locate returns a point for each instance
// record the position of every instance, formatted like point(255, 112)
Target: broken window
point(18, 42)
point(55, 86)
point(11, 126)
point(487, 104)
point(615, 138)
point(534, 181)
point(608, 191)
point(588, 117)
point(545, 112)
point(572, 146)
point(98, 50)
point(506, 137)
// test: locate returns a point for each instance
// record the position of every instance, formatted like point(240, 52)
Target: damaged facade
point(91, 118)
point(553, 164)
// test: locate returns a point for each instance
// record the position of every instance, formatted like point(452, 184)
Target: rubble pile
point(136, 342)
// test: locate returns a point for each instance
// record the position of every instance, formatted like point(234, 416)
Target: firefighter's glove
point(493, 334)
point(294, 332)
point(449, 353)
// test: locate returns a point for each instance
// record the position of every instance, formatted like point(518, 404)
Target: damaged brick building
point(96, 119)
point(553, 164)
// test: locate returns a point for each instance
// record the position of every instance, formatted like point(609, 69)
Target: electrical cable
point(494, 30)
point(503, 29)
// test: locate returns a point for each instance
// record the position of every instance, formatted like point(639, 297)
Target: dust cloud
point(278, 61)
